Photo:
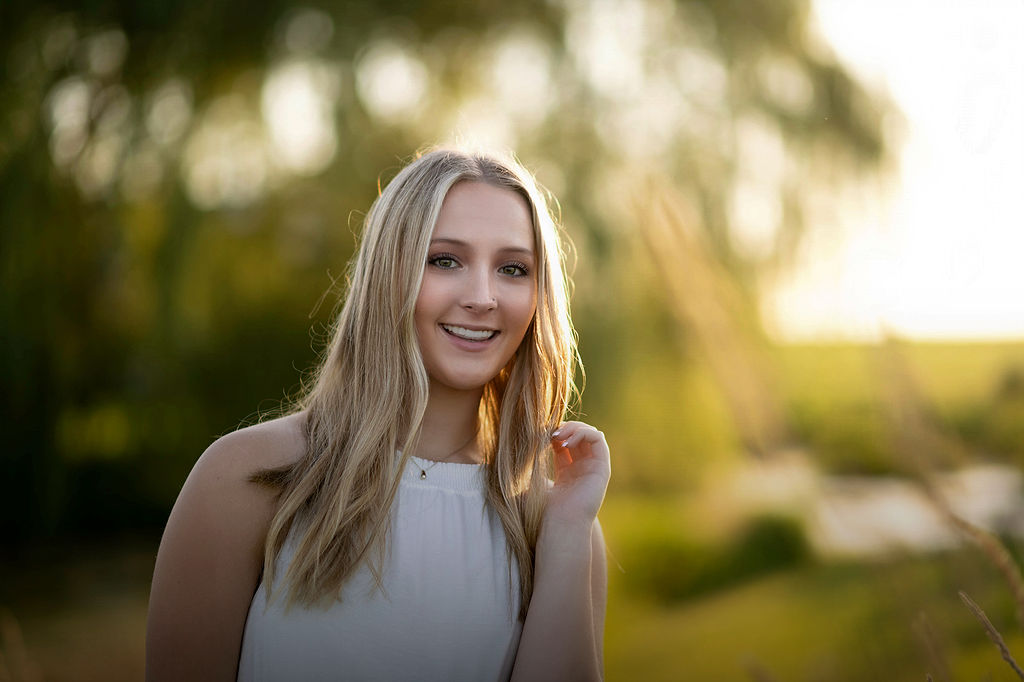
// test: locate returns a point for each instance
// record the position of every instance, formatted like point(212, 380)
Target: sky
point(937, 253)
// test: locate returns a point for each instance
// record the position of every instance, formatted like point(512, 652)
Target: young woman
point(424, 514)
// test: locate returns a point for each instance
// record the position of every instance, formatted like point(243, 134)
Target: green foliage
point(666, 564)
point(669, 423)
point(842, 623)
point(834, 396)
point(667, 567)
point(847, 439)
point(1003, 421)
point(143, 312)
point(765, 543)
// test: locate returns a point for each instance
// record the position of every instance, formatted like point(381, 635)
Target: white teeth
point(469, 334)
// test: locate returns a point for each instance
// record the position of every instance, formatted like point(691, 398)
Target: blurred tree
point(176, 179)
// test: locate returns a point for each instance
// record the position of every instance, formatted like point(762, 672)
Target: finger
point(562, 459)
point(560, 430)
point(584, 434)
point(560, 436)
point(559, 449)
point(567, 429)
point(588, 448)
point(562, 456)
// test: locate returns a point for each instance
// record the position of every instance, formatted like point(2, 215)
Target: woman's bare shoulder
point(220, 484)
point(211, 553)
point(238, 455)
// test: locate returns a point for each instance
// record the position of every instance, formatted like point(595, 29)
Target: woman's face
point(479, 290)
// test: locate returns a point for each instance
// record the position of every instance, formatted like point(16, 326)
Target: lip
point(465, 344)
point(471, 327)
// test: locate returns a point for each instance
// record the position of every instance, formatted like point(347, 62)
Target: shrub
point(670, 567)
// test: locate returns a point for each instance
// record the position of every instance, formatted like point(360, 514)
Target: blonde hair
point(369, 394)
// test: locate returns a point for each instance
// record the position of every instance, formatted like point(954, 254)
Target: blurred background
point(797, 233)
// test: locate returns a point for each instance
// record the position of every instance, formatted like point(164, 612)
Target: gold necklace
point(424, 470)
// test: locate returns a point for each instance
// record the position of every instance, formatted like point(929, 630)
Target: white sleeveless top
point(448, 613)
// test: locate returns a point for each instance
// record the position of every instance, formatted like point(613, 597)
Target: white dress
point(448, 614)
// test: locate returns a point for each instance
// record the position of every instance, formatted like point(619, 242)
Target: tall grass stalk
point(921, 439)
point(992, 633)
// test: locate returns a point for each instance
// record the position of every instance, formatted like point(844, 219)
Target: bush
point(671, 567)
point(765, 544)
point(850, 439)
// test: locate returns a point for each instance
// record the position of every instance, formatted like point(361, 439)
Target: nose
point(478, 296)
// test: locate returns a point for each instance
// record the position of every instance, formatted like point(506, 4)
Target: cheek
point(525, 311)
point(426, 300)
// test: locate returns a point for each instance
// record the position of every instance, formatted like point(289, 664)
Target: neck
point(448, 431)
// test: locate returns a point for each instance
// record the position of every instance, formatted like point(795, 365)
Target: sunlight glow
point(786, 83)
point(68, 104)
point(701, 76)
point(390, 81)
point(225, 163)
point(942, 260)
point(520, 77)
point(170, 110)
point(755, 209)
point(298, 107)
point(97, 167)
point(606, 39)
point(481, 123)
point(515, 94)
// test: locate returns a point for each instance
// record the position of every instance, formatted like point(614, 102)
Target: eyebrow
point(459, 242)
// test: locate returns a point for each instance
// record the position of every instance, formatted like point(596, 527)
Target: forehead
point(474, 211)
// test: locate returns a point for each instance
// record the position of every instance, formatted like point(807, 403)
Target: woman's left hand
point(582, 469)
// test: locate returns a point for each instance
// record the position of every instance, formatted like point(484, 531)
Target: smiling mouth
point(470, 334)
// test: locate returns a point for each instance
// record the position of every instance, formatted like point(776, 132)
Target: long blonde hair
point(369, 394)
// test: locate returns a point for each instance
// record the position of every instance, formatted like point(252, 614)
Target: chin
point(461, 383)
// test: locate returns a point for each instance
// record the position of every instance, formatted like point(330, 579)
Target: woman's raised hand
point(582, 469)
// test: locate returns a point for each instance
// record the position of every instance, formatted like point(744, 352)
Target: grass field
point(668, 420)
point(83, 619)
point(849, 623)
point(950, 375)
point(78, 614)
point(837, 399)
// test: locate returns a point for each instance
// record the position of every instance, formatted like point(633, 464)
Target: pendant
point(423, 474)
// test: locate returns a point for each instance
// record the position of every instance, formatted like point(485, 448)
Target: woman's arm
point(563, 634)
point(210, 558)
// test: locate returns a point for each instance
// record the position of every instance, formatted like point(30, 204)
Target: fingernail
point(565, 443)
point(555, 432)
